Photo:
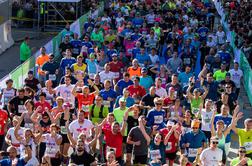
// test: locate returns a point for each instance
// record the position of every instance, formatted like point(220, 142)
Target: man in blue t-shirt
point(123, 83)
point(108, 95)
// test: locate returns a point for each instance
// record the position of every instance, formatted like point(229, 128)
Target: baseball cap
point(79, 56)
point(91, 55)
point(228, 74)
point(144, 70)
point(114, 55)
point(122, 99)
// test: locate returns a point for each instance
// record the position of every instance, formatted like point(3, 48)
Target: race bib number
point(248, 145)
point(168, 146)
point(52, 77)
point(187, 61)
point(21, 109)
point(29, 125)
point(63, 130)
point(195, 111)
point(106, 103)
point(116, 74)
point(155, 154)
point(158, 119)
point(192, 152)
point(51, 150)
point(91, 75)
point(108, 148)
point(85, 108)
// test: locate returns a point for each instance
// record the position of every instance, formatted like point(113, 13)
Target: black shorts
point(140, 159)
point(171, 156)
point(124, 139)
point(129, 148)
point(64, 139)
point(56, 161)
point(208, 135)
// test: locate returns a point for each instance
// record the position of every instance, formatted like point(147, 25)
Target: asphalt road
point(9, 60)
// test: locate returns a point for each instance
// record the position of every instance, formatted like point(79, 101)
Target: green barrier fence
point(244, 64)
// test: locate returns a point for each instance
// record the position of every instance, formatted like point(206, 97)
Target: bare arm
point(213, 133)
point(205, 93)
point(142, 128)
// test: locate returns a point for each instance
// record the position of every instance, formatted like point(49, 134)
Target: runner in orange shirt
point(85, 99)
point(40, 61)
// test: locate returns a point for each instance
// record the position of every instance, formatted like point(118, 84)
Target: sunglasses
point(242, 151)
point(228, 87)
point(194, 127)
point(215, 142)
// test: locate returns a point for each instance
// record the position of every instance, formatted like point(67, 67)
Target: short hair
point(42, 94)
point(9, 80)
point(21, 90)
point(125, 74)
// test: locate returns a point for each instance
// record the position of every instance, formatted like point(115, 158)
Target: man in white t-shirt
point(206, 115)
point(81, 125)
point(236, 76)
point(107, 74)
point(65, 91)
point(212, 156)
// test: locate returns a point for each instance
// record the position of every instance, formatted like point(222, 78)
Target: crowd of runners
point(149, 82)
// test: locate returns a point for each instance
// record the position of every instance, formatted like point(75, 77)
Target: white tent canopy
point(75, 1)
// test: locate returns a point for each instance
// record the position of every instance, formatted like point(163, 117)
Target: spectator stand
point(51, 14)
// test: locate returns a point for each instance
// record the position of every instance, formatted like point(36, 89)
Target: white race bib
point(85, 108)
point(248, 145)
point(116, 74)
point(51, 150)
point(29, 125)
point(63, 130)
point(195, 110)
point(155, 154)
point(110, 149)
point(168, 146)
point(52, 77)
point(106, 103)
point(21, 109)
point(192, 152)
point(158, 119)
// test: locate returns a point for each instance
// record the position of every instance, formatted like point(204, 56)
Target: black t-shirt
point(63, 46)
point(132, 122)
point(92, 89)
point(84, 159)
point(33, 84)
point(149, 100)
point(17, 105)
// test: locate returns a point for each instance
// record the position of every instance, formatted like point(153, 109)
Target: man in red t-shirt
point(114, 138)
point(116, 67)
point(85, 99)
point(136, 91)
point(171, 135)
point(3, 125)
point(42, 102)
